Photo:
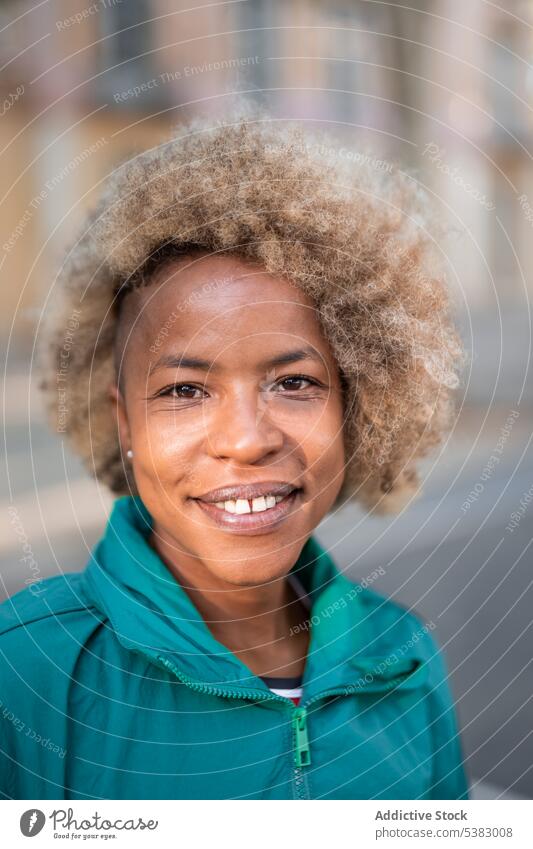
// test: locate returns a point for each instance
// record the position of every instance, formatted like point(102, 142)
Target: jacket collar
point(151, 614)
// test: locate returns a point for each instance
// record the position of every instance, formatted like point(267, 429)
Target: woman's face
point(227, 383)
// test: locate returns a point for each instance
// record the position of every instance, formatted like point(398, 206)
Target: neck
point(254, 622)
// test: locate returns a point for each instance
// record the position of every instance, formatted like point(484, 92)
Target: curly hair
point(354, 237)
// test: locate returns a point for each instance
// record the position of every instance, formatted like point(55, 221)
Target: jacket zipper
point(301, 748)
point(299, 725)
point(302, 755)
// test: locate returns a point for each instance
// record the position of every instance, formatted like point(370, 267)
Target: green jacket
point(112, 687)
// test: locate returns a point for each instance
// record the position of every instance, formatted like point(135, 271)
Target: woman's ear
point(121, 417)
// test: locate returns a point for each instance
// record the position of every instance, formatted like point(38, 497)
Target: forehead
point(219, 300)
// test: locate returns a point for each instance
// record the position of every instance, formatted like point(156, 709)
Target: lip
point(248, 491)
point(252, 524)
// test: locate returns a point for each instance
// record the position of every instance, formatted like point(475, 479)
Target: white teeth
point(242, 505)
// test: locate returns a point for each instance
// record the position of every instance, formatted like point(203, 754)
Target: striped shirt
point(290, 687)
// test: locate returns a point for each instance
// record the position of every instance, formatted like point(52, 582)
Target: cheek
point(322, 447)
point(321, 436)
point(325, 456)
point(165, 448)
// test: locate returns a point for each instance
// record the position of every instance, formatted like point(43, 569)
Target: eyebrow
point(185, 361)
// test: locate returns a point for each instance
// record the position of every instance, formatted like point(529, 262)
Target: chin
point(249, 571)
point(245, 580)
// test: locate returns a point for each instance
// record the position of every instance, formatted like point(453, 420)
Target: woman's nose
point(243, 429)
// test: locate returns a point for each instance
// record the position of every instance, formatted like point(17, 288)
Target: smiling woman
point(262, 337)
point(235, 406)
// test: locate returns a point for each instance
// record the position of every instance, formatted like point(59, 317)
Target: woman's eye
point(294, 383)
point(190, 392)
point(182, 390)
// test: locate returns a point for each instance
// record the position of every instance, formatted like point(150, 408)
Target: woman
point(262, 337)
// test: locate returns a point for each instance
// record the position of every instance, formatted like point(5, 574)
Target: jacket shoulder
point(46, 600)
point(41, 638)
point(397, 628)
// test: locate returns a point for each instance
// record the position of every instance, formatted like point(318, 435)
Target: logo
point(32, 822)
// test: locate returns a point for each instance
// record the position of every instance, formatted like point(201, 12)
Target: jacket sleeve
point(449, 779)
point(6, 749)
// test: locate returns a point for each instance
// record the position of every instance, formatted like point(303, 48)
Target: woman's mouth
point(251, 516)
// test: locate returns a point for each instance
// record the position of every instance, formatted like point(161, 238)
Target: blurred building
point(83, 84)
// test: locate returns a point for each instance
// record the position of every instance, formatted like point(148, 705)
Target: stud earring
point(129, 453)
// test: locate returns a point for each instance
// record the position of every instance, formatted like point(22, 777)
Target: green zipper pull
point(302, 754)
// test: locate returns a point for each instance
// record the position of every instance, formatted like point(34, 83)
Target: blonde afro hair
point(354, 236)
